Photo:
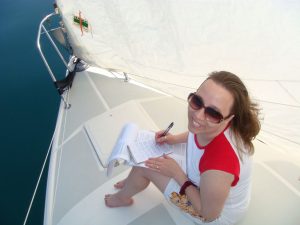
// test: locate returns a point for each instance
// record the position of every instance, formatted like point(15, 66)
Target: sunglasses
point(211, 115)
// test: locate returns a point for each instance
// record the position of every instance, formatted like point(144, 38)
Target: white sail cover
point(173, 44)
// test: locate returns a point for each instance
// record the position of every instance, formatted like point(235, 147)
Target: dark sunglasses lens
point(195, 102)
point(213, 115)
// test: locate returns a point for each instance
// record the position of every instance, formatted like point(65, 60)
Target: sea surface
point(29, 107)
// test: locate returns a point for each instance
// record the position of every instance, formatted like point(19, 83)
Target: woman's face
point(216, 97)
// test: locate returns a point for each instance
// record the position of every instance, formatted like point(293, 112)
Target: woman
point(222, 122)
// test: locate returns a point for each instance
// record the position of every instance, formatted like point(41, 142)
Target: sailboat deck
point(76, 194)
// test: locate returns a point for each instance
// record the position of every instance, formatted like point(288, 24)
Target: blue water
point(29, 105)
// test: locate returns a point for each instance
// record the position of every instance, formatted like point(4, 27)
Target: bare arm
point(214, 186)
point(214, 189)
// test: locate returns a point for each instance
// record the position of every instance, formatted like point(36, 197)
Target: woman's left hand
point(166, 166)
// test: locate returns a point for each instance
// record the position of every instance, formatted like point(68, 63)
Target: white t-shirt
point(220, 154)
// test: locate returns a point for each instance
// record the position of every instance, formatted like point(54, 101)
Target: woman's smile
point(197, 124)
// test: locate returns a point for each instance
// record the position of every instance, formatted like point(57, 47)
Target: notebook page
point(145, 147)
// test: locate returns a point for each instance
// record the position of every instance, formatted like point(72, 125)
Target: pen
point(167, 130)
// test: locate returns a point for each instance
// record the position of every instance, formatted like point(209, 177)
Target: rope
point(38, 182)
point(41, 173)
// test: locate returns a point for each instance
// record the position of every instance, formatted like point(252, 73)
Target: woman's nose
point(200, 114)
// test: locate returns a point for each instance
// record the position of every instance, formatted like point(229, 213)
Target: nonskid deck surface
point(80, 180)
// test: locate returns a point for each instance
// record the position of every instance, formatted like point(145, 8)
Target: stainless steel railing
point(45, 31)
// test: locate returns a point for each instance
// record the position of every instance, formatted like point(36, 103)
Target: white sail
point(172, 45)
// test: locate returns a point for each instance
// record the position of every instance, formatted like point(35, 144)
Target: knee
point(139, 170)
point(142, 172)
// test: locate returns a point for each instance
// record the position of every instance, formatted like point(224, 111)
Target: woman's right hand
point(169, 138)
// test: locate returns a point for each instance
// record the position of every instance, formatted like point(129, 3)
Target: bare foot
point(120, 184)
point(113, 201)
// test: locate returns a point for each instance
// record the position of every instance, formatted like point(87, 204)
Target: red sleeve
point(219, 155)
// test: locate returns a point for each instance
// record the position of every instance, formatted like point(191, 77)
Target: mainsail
point(172, 45)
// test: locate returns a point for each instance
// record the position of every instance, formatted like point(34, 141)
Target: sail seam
point(276, 103)
point(280, 178)
point(295, 142)
point(286, 90)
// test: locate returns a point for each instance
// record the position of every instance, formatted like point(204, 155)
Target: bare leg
point(137, 180)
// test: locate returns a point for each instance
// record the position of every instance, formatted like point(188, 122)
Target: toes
point(112, 201)
point(107, 196)
point(116, 185)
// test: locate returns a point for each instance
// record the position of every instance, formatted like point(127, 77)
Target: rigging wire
point(41, 173)
point(39, 179)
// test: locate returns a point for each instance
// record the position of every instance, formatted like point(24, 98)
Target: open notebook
point(135, 146)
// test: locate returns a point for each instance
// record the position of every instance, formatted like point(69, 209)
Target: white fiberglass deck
point(77, 178)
